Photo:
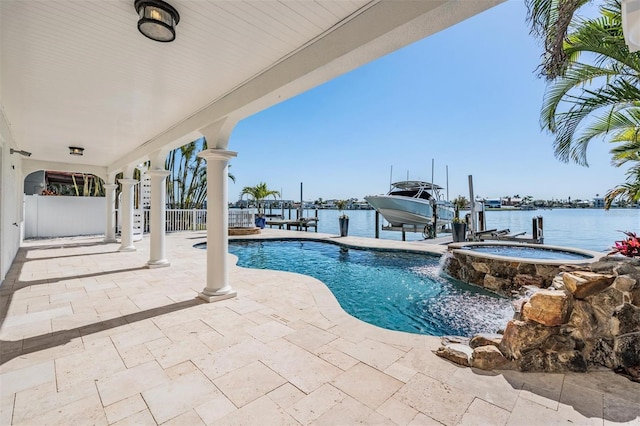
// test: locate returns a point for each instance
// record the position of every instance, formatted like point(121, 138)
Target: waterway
point(591, 229)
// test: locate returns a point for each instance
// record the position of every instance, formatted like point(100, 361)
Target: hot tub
point(507, 267)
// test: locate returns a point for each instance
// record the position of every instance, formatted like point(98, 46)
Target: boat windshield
point(415, 193)
point(415, 189)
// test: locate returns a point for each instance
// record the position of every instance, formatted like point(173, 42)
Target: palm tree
point(550, 21)
point(629, 191)
point(187, 183)
point(584, 101)
point(259, 193)
point(459, 203)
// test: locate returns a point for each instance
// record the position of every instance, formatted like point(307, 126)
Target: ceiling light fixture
point(15, 151)
point(157, 20)
point(75, 150)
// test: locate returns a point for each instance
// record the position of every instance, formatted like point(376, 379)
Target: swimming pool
point(394, 290)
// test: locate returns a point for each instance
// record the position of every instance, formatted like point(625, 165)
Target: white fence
point(49, 216)
point(196, 219)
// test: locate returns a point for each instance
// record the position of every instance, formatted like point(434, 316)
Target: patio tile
point(336, 357)
point(316, 404)
point(181, 369)
point(400, 372)
point(140, 333)
point(351, 411)
point(376, 354)
point(180, 395)
point(93, 364)
point(216, 407)
point(311, 343)
point(18, 380)
point(489, 386)
point(190, 418)
point(528, 413)
point(398, 412)
point(6, 408)
point(367, 385)
point(444, 403)
point(82, 412)
point(257, 413)
point(131, 382)
point(36, 317)
point(428, 364)
point(585, 401)
point(481, 413)
point(619, 412)
point(140, 418)
point(125, 408)
point(176, 353)
point(305, 371)
point(135, 355)
point(226, 322)
point(249, 383)
point(269, 331)
point(286, 395)
point(33, 402)
point(607, 382)
point(311, 338)
point(424, 420)
point(186, 330)
point(231, 358)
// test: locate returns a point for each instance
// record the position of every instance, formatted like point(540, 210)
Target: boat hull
point(400, 211)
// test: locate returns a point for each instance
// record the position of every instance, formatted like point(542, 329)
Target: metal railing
point(241, 219)
point(196, 219)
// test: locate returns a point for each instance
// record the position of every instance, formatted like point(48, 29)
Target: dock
point(298, 224)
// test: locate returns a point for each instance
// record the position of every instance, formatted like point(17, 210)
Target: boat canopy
point(415, 189)
point(415, 184)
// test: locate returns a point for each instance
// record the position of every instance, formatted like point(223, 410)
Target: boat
point(412, 202)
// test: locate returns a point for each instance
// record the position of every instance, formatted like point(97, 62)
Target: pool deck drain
point(91, 336)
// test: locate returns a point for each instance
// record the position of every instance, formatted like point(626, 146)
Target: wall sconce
point(157, 20)
point(75, 150)
point(15, 151)
point(631, 24)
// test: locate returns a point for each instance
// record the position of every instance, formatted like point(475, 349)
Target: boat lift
point(478, 232)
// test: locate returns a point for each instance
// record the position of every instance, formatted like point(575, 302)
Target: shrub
point(629, 247)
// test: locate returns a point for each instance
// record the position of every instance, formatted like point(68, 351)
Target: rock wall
point(588, 316)
point(503, 276)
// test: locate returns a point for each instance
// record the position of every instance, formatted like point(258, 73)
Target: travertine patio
point(91, 336)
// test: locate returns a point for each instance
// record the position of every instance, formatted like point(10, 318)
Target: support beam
point(110, 223)
point(157, 219)
point(127, 215)
point(217, 285)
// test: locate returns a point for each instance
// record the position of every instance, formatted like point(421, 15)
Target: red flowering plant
point(629, 247)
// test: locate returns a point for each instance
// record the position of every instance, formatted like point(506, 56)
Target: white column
point(110, 201)
point(127, 215)
point(157, 219)
point(217, 286)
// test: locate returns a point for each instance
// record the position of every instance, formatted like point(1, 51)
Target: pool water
point(527, 252)
point(394, 290)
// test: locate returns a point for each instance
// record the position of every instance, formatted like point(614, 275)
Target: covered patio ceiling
point(78, 73)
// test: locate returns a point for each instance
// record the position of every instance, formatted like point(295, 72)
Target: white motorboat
point(412, 202)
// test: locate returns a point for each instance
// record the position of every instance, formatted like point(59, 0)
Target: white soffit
point(78, 73)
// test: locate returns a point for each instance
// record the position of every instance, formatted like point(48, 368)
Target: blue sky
point(468, 97)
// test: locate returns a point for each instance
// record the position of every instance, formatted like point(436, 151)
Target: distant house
point(493, 204)
point(598, 202)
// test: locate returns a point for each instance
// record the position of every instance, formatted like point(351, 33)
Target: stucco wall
point(10, 198)
point(51, 216)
